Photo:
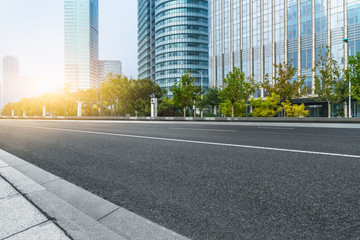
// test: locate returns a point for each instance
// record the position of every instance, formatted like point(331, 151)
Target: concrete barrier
point(210, 119)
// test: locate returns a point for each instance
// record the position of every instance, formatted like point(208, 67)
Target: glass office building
point(172, 39)
point(254, 34)
point(81, 43)
point(109, 66)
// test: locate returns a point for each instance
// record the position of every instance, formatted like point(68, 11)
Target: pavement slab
point(6, 190)
point(20, 181)
point(78, 225)
point(45, 231)
point(17, 214)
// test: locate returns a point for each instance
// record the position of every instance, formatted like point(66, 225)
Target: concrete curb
point(81, 214)
point(198, 119)
point(20, 218)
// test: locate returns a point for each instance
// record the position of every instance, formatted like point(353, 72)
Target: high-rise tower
point(172, 39)
point(81, 43)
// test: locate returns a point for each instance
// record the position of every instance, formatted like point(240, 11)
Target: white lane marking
point(281, 128)
point(203, 129)
point(189, 125)
point(190, 141)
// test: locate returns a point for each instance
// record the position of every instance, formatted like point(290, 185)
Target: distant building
point(12, 85)
point(81, 43)
point(109, 66)
point(1, 96)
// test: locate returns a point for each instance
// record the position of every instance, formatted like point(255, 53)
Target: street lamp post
point(346, 41)
point(201, 87)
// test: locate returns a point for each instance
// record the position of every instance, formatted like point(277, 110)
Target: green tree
point(239, 108)
point(31, 106)
point(352, 73)
point(327, 76)
point(212, 98)
point(167, 107)
point(65, 102)
point(117, 93)
point(266, 108)
point(143, 90)
point(341, 92)
point(109, 93)
point(294, 110)
point(126, 96)
point(61, 102)
point(237, 88)
point(7, 109)
point(285, 84)
point(185, 92)
point(90, 100)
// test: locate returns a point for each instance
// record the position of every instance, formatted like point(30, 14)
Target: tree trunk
point(232, 109)
point(184, 112)
point(329, 110)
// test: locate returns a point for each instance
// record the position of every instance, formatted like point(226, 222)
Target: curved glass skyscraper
point(173, 39)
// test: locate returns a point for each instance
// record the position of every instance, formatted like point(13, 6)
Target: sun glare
point(35, 87)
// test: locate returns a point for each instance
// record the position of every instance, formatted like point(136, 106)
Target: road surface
point(208, 180)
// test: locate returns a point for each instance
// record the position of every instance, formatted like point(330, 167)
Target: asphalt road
point(207, 181)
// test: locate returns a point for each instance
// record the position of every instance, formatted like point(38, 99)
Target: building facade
point(173, 39)
point(253, 35)
point(12, 85)
point(81, 43)
point(108, 66)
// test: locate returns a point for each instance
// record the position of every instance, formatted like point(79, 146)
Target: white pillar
point(79, 109)
point(153, 107)
point(24, 113)
point(44, 111)
point(12, 113)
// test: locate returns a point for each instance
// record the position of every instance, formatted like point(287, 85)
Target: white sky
point(32, 31)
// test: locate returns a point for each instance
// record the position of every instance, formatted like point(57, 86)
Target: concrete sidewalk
point(20, 219)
